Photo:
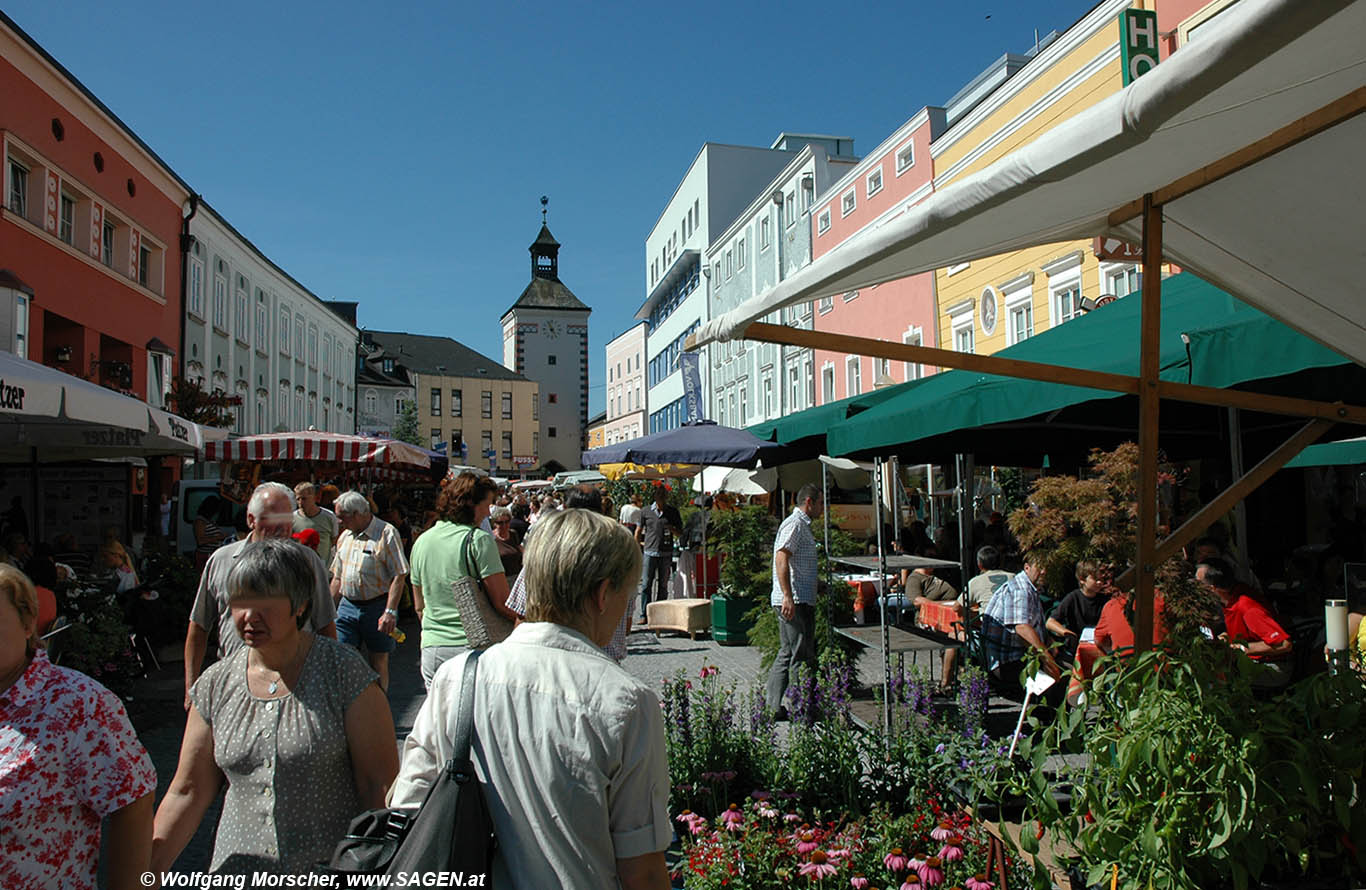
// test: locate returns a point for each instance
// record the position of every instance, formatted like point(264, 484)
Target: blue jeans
point(658, 567)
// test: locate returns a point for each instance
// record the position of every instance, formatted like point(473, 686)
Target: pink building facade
point(896, 175)
point(626, 390)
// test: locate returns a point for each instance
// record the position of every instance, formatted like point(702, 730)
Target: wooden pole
point(1149, 402)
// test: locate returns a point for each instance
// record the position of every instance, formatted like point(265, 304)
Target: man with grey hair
point(269, 515)
point(369, 571)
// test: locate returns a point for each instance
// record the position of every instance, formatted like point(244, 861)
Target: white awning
point(1282, 233)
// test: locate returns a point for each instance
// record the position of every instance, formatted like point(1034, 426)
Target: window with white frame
point(823, 222)
point(850, 295)
point(848, 203)
point(740, 254)
point(1018, 299)
point(371, 401)
point(107, 257)
point(18, 188)
point(905, 158)
point(262, 322)
point(327, 354)
point(744, 403)
point(853, 376)
point(794, 388)
point(961, 323)
point(243, 331)
point(810, 379)
point(768, 394)
point(914, 336)
point(730, 263)
point(763, 233)
point(196, 306)
point(790, 208)
point(873, 182)
point(220, 299)
point(282, 404)
point(828, 382)
point(66, 223)
point(882, 368)
point(299, 337)
point(826, 304)
point(313, 346)
point(1064, 287)
point(733, 414)
point(808, 192)
point(285, 319)
point(1120, 281)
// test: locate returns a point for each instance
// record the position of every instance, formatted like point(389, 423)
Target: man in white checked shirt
point(794, 594)
point(369, 570)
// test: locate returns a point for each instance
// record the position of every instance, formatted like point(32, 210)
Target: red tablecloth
point(1083, 668)
point(863, 592)
point(938, 615)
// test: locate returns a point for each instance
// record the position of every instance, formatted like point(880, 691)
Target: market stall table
point(939, 615)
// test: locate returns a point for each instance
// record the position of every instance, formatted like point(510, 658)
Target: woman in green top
point(438, 561)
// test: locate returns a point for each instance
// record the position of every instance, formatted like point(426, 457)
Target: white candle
point(1335, 618)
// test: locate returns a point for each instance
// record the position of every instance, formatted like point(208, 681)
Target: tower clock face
point(552, 330)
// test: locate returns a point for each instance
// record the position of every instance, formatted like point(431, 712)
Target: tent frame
point(1147, 386)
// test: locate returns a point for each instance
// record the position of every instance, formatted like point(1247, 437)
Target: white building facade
point(253, 331)
point(716, 188)
point(767, 242)
point(627, 394)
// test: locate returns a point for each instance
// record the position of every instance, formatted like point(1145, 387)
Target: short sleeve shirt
point(1017, 602)
point(291, 791)
point(630, 515)
point(570, 748)
point(326, 525)
point(930, 587)
point(367, 563)
point(1249, 621)
point(211, 609)
point(615, 648)
point(1077, 610)
point(984, 586)
point(68, 758)
point(438, 562)
point(658, 538)
point(794, 536)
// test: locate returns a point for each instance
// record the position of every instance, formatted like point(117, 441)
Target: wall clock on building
point(987, 311)
point(552, 330)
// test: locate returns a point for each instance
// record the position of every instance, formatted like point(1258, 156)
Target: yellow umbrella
point(648, 472)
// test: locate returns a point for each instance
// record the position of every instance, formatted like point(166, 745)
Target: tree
point(189, 400)
point(405, 428)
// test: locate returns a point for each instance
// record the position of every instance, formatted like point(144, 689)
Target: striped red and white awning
point(328, 447)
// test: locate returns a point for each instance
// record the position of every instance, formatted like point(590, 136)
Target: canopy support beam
point(1009, 367)
point(1225, 501)
point(1149, 406)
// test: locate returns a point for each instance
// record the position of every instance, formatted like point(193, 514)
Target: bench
point(683, 615)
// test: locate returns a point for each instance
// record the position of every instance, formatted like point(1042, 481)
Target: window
point(262, 322)
point(507, 406)
point(196, 306)
point(851, 295)
point(730, 263)
point(284, 330)
point(1068, 301)
point(457, 443)
point(243, 328)
point(848, 203)
point(535, 443)
point(905, 158)
point(550, 431)
point(107, 257)
point(298, 409)
point(282, 404)
point(768, 395)
point(1064, 287)
point(485, 443)
point(66, 225)
point(808, 193)
point(853, 376)
point(507, 446)
point(399, 402)
point(144, 265)
point(553, 398)
point(873, 183)
point(18, 188)
point(1021, 322)
point(327, 354)
point(740, 254)
point(716, 274)
point(387, 364)
point(457, 403)
point(732, 416)
point(914, 337)
point(298, 338)
point(486, 403)
point(21, 326)
point(436, 402)
point(436, 437)
point(550, 359)
point(1123, 281)
point(371, 401)
point(828, 382)
point(882, 368)
point(220, 301)
point(823, 222)
point(794, 388)
point(763, 233)
point(962, 337)
point(826, 304)
point(744, 402)
point(790, 209)
point(312, 346)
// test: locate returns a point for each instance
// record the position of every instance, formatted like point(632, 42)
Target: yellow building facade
point(991, 303)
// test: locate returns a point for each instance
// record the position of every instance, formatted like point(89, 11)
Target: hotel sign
point(1137, 43)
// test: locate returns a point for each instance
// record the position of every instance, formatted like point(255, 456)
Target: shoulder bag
point(484, 625)
point(451, 832)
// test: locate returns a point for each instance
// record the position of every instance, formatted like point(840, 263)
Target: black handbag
point(451, 832)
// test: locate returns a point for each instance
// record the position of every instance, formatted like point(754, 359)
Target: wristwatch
point(393, 612)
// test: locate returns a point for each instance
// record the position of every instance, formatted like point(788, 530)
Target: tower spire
point(544, 201)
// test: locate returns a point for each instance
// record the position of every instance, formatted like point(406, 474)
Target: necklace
point(274, 685)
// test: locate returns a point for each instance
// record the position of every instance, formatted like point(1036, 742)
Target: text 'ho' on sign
point(1137, 43)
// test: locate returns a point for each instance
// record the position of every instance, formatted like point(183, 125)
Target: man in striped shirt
point(793, 595)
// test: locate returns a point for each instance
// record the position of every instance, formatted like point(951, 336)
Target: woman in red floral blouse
point(68, 758)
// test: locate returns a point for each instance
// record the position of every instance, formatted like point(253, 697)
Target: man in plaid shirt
point(369, 571)
point(1012, 623)
point(794, 594)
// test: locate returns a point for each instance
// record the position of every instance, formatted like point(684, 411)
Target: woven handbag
point(484, 625)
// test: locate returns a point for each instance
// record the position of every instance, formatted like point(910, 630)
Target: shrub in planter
point(97, 642)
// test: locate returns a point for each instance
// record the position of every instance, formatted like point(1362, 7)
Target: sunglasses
point(502, 522)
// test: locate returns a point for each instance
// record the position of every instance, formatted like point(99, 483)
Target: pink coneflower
point(792, 817)
point(696, 824)
point(932, 873)
point(817, 867)
point(835, 854)
point(912, 882)
point(943, 832)
point(951, 852)
point(896, 861)
point(708, 671)
point(806, 842)
point(978, 882)
point(858, 882)
point(765, 809)
point(732, 819)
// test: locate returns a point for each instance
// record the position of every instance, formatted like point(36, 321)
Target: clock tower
point(545, 338)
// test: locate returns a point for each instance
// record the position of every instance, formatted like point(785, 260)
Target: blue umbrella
point(703, 442)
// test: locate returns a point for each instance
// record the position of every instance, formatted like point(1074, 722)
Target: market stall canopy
point(704, 442)
point(1208, 338)
point(319, 446)
point(1347, 453)
point(648, 472)
point(570, 478)
point(1279, 225)
point(736, 481)
point(66, 418)
point(813, 423)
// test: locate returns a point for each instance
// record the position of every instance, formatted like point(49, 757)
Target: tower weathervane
point(544, 201)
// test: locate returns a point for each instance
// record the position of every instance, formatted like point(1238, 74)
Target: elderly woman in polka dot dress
point(296, 723)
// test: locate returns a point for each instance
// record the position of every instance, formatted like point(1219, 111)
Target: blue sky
point(396, 156)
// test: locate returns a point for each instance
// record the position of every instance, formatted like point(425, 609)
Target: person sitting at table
point(1115, 628)
point(981, 588)
point(1012, 624)
point(1249, 626)
point(922, 586)
point(1078, 610)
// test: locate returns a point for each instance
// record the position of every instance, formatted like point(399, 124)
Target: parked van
point(190, 496)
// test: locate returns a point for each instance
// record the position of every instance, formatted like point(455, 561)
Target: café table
point(940, 615)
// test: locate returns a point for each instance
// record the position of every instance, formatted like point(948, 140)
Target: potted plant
point(744, 538)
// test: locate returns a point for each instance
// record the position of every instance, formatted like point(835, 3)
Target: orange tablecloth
point(940, 616)
point(863, 591)
point(1083, 668)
